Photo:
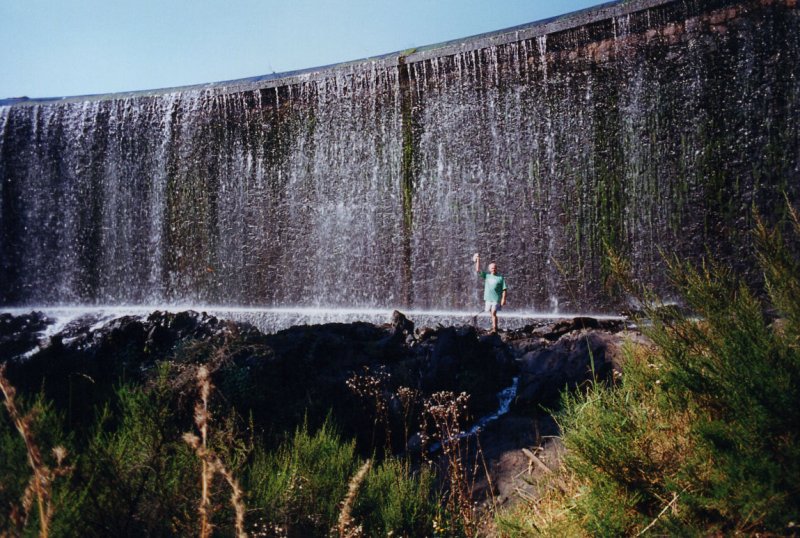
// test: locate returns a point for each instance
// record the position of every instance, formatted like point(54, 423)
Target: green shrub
point(299, 486)
point(394, 499)
point(701, 436)
point(16, 474)
point(626, 444)
point(135, 474)
point(139, 476)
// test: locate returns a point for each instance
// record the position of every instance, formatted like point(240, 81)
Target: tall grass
point(397, 500)
point(346, 526)
point(136, 474)
point(701, 437)
point(39, 489)
point(299, 486)
point(136, 471)
point(297, 490)
point(211, 464)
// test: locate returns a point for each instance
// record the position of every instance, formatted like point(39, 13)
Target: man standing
point(494, 289)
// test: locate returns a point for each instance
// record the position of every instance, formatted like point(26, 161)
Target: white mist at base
point(271, 320)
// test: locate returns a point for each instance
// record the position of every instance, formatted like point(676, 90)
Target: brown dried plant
point(40, 487)
point(443, 414)
point(409, 400)
point(211, 463)
point(371, 388)
point(346, 527)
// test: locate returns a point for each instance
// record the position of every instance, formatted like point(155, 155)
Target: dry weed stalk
point(211, 464)
point(372, 387)
point(346, 528)
point(443, 414)
point(201, 418)
point(409, 399)
point(41, 483)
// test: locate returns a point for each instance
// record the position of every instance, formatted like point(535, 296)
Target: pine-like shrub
point(701, 435)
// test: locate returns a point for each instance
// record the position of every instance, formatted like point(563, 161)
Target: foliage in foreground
point(702, 436)
point(134, 474)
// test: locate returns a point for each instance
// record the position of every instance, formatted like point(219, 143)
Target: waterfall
point(642, 126)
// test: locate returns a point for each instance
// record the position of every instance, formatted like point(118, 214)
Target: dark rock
point(401, 324)
point(425, 332)
point(572, 360)
point(493, 340)
point(301, 373)
point(524, 345)
point(558, 329)
point(456, 359)
point(33, 322)
point(103, 354)
point(507, 448)
point(21, 334)
point(401, 332)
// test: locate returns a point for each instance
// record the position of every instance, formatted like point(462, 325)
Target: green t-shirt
point(493, 288)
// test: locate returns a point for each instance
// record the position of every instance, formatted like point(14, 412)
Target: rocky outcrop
point(562, 356)
point(20, 334)
point(302, 373)
point(575, 358)
point(283, 377)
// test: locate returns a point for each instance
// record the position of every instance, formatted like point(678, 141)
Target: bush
point(138, 474)
point(701, 437)
point(396, 501)
point(298, 490)
point(298, 487)
point(50, 448)
point(626, 445)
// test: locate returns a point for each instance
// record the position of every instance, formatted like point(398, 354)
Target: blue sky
point(54, 48)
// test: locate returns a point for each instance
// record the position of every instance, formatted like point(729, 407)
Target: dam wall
point(649, 127)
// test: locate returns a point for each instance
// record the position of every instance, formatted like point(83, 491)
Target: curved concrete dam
point(650, 127)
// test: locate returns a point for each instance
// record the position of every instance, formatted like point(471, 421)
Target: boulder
point(573, 359)
point(21, 334)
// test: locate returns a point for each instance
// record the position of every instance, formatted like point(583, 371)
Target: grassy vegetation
point(701, 436)
point(141, 470)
